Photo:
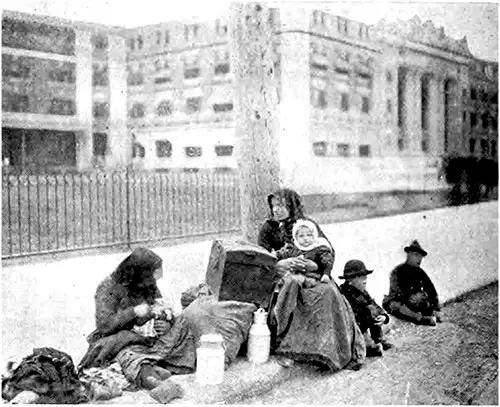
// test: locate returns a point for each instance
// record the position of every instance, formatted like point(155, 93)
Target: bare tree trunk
point(253, 60)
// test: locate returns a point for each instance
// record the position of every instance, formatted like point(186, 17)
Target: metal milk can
point(210, 359)
point(259, 338)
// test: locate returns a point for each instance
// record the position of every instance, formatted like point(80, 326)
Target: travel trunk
point(241, 271)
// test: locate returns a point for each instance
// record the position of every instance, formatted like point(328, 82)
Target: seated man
point(369, 315)
point(412, 296)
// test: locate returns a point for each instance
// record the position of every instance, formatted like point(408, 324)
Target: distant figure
point(369, 315)
point(309, 246)
point(412, 296)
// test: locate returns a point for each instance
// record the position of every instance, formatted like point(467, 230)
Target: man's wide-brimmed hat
point(353, 269)
point(415, 247)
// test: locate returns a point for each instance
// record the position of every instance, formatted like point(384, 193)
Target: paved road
point(453, 363)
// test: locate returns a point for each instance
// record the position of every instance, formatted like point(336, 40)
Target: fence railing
point(49, 213)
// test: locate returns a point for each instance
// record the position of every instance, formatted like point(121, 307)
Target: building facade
point(373, 107)
point(56, 112)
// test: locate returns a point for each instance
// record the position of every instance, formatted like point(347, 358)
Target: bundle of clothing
point(50, 374)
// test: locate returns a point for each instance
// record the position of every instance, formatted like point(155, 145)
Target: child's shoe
point(386, 345)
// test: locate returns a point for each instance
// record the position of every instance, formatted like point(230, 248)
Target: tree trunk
point(253, 61)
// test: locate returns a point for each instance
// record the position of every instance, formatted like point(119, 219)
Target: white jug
point(259, 338)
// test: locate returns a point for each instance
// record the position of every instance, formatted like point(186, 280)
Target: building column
point(120, 144)
point(415, 112)
point(83, 54)
point(436, 119)
point(295, 144)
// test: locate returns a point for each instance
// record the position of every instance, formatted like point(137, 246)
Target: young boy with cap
point(369, 315)
point(412, 295)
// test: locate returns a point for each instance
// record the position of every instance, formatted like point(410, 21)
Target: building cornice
point(61, 22)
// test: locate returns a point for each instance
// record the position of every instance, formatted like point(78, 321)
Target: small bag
point(241, 271)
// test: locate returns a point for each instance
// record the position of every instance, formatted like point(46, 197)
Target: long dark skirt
point(174, 351)
point(317, 324)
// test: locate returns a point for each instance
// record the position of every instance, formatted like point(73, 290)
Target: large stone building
point(368, 107)
point(57, 111)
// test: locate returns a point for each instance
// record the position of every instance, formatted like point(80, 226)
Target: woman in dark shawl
point(314, 322)
point(126, 299)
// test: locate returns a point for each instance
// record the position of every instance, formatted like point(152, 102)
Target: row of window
point(485, 119)
point(163, 149)
point(343, 24)
point(162, 37)
point(323, 149)
point(166, 108)
point(20, 103)
point(136, 77)
point(319, 100)
point(481, 95)
point(487, 146)
point(21, 67)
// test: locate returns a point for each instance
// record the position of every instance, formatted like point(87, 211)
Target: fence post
point(127, 184)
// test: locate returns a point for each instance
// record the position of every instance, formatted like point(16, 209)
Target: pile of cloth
point(47, 373)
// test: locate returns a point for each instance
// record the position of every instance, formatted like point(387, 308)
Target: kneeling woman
point(129, 298)
point(314, 322)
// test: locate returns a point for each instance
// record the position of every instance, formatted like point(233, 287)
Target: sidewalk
point(430, 365)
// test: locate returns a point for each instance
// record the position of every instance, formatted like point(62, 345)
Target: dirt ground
point(455, 362)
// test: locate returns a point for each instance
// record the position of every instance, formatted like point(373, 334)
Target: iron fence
point(47, 213)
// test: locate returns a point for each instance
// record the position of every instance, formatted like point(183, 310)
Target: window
point(139, 42)
point(485, 147)
point(193, 105)
point(99, 75)
point(163, 148)
point(494, 98)
point(472, 145)
point(137, 110)
point(222, 68)
point(343, 150)
point(401, 144)
point(484, 120)
point(388, 76)
point(64, 107)
point(364, 150)
point(135, 77)
point(389, 106)
point(365, 104)
point(493, 148)
point(193, 151)
point(167, 37)
point(64, 73)
point(473, 94)
point(473, 119)
point(222, 107)
point(191, 73)
point(101, 109)
point(320, 148)
point(164, 108)
point(100, 144)
point(191, 32)
point(220, 29)
point(158, 37)
point(344, 102)
point(15, 102)
point(464, 117)
point(342, 25)
point(424, 144)
point(318, 98)
point(223, 151)
point(138, 151)
point(464, 93)
point(162, 79)
point(131, 44)
point(494, 123)
point(191, 67)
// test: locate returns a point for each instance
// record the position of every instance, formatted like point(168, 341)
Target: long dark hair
point(136, 272)
point(292, 201)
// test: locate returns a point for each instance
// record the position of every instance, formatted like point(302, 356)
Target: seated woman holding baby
point(313, 321)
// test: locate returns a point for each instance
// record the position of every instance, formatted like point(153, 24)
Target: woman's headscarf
point(292, 201)
point(136, 271)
